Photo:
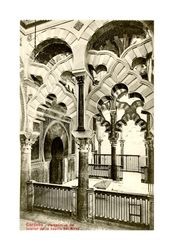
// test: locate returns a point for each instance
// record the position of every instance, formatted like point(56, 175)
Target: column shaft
point(80, 82)
point(83, 182)
point(99, 151)
point(25, 174)
point(113, 162)
point(150, 161)
point(122, 152)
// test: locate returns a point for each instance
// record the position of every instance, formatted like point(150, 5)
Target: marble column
point(99, 150)
point(27, 139)
point(80, 83)
point(114, 174)
point(150, 167)
point(150, 159)
point(122, 151)
point(83, 180)
point(113, 137)
point(149, 150)
point(150, 177)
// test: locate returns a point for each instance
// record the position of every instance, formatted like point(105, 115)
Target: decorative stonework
point(122, 143)
point(113, 143)
point(148, 140)
point(80, 79)
point(78, 25)
point(149, 143)
point(27, 140)
point(83, 143)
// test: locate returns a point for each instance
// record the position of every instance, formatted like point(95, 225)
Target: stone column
point(149, 150)
point(150, 167)
point(83, 180)
point(150, 159)
point(27, 139)
point(113, 137)
point(99, 150)
point(99, 145)
point(122, 151)
point(80, 82)
point(114, 174)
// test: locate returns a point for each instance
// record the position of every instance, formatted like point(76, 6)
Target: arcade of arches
point(86, 89)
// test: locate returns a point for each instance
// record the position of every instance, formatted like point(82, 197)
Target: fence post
point(151, 206)
point(91, 204)
point(30, 195)
point(74, 201)
point(151, 210)
point(139, 164)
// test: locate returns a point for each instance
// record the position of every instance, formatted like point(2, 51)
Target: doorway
point(56, 164)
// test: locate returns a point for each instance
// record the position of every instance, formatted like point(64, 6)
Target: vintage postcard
point(86, 124)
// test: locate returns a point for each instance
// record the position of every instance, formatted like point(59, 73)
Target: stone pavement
point(48, 220)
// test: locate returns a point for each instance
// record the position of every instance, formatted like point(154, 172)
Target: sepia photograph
point(86, 124)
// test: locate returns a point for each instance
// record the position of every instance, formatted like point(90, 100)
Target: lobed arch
point(131, 79)
point(44, 71)
point(52, 86)
point(142, 49)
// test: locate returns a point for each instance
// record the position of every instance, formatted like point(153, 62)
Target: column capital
point(148, 140)
point(149, 143)
point(113, 138)
point(122, 142)
point(83, 144)
point(100, 141)
point(28, 139)
point(80, 79)
point(113, 143)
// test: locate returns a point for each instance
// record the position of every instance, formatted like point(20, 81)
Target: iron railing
point(101, 164)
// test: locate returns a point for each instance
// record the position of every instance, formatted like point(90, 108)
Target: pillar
point(114, 174)
point(27, 139)
point(122, 152)
point(94, 136)
point(83, 180)
point(99, 150)
point(80, 83)
point(113, 137)
point(149, 150)
point(150, 167)
point(99, 146)
point(150, 159)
